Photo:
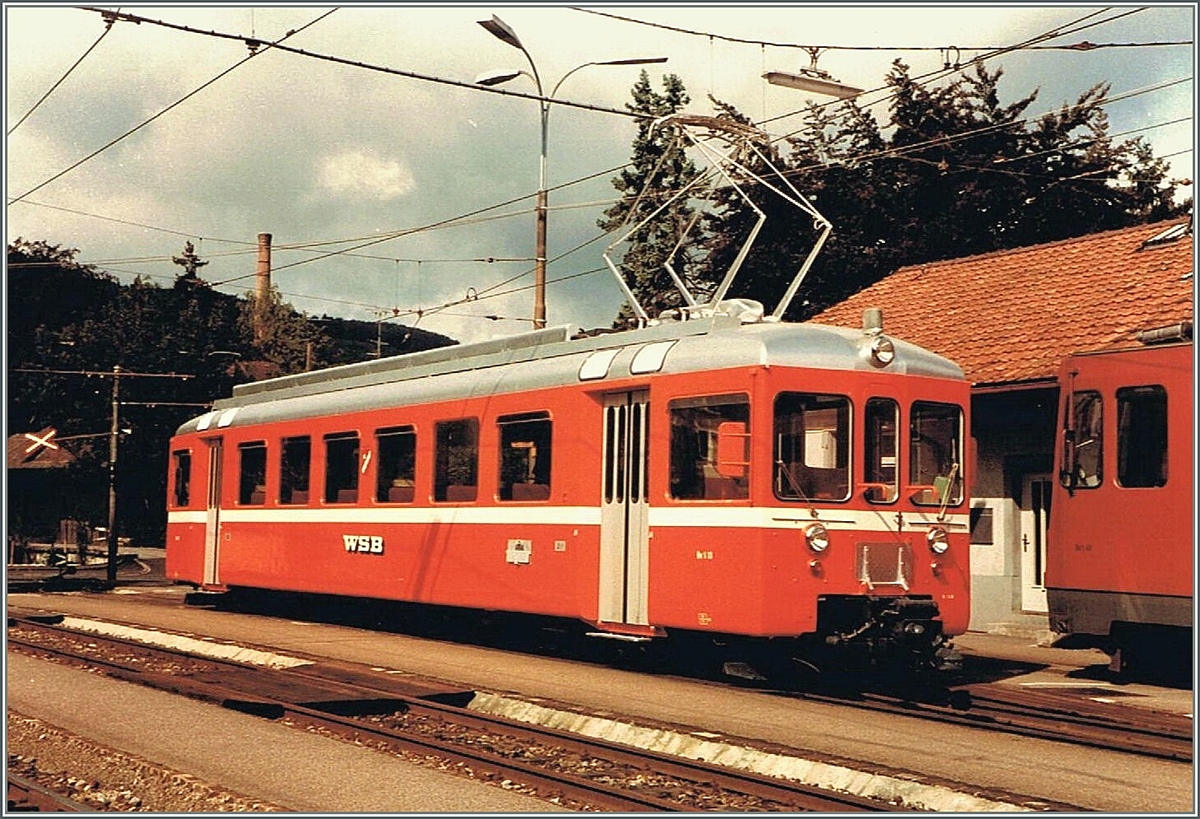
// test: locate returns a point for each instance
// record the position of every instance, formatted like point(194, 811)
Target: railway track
point(423, 721)
point(1046, 715)
point(27, 796)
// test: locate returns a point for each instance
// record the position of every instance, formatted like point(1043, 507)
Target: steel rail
point(27, 796)
point(982, 707)
point(227, 691)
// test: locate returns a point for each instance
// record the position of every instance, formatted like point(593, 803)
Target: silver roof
point(550, 358)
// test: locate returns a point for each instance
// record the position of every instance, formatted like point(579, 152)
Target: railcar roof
point(549, 358)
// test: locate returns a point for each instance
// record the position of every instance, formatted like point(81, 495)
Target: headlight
point(817, 537)
point(883, 351)
point(939, 541)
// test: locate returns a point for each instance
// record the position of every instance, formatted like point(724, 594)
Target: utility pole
point(113, 437)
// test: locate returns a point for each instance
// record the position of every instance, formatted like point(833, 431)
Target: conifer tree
point(658, 167)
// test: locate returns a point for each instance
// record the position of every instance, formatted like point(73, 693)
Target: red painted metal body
point(733, 561)
point(1121, 541)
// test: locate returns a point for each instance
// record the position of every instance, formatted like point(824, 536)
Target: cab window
point(1142, 436)
point(1083, 461)
point(812, 446)
point(882, 422)
point(935, 454)
point(182, 468)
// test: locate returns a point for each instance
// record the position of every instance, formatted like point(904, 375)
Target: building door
point(624, 518)
point(1035, 525)
point(212, 524)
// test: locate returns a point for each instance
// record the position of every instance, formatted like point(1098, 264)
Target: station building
point(1009, 318)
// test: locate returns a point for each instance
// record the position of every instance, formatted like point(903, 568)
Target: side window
point(1083, 438)
point(295, 461)
point(1142, 436)
point(702, 430)
point(396, 472)
point(181, 460)
point(881, 424)
point(341, 467)
point(525, 456)
point(252, 473)
point(456, 460)
point(935, 468)
point(812, 446)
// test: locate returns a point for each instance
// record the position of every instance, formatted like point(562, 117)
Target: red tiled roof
point(1013, 315)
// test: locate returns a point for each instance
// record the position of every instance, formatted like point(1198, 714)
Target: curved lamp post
point(502, 31)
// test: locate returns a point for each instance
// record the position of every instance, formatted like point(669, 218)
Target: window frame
point(287, 486)
point(402, 473)
point(537, 489)
point(252, 494)
point(702, 452)
point(336, 463)
point(445, 450)
point(843, 452)
point(874, 446)
point(927, 493)
point(1133, 443)
point(181, 477)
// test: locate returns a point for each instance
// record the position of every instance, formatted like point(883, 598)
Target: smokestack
point(262, 285)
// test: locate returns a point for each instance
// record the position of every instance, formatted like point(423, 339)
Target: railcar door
point(212, 524)
point(624, 513)
point(1035, 526)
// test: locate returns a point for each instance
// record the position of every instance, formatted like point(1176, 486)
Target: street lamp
point(812, 79)
point(502, 31)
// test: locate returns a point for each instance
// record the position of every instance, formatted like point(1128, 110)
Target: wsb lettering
point(365, 544)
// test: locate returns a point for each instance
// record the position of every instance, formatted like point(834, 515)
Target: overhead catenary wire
point(399, 72)
point(451, 222)
point(1084, 46)
point(108, 24)
point(144, 123)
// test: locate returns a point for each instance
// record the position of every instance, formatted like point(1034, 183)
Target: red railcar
point(1120, 560)
point(794, 486)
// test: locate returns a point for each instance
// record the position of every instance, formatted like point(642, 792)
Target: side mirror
point(733, 449)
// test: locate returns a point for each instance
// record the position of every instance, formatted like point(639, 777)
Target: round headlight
point(883, 351)
point(817, 537)
point(939, 541)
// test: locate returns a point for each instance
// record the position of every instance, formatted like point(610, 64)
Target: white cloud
point(360, 175)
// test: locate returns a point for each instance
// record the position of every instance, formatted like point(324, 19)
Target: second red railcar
point(1121, 557)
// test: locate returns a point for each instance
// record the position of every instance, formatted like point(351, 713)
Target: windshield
point(935, 454)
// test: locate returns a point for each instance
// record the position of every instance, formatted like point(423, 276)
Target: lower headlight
point(817, 537)
point(938, 540)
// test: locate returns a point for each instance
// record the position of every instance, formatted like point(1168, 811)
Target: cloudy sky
point(388, 192)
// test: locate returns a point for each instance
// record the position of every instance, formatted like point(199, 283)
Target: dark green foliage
point(182, 347)
point(953, 173)
point(659, 167)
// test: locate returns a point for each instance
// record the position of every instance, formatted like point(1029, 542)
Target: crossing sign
point(43, 441)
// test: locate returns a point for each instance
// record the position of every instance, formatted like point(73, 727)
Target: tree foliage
point(659, 167)
point(178, 349)
point(953, 173)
